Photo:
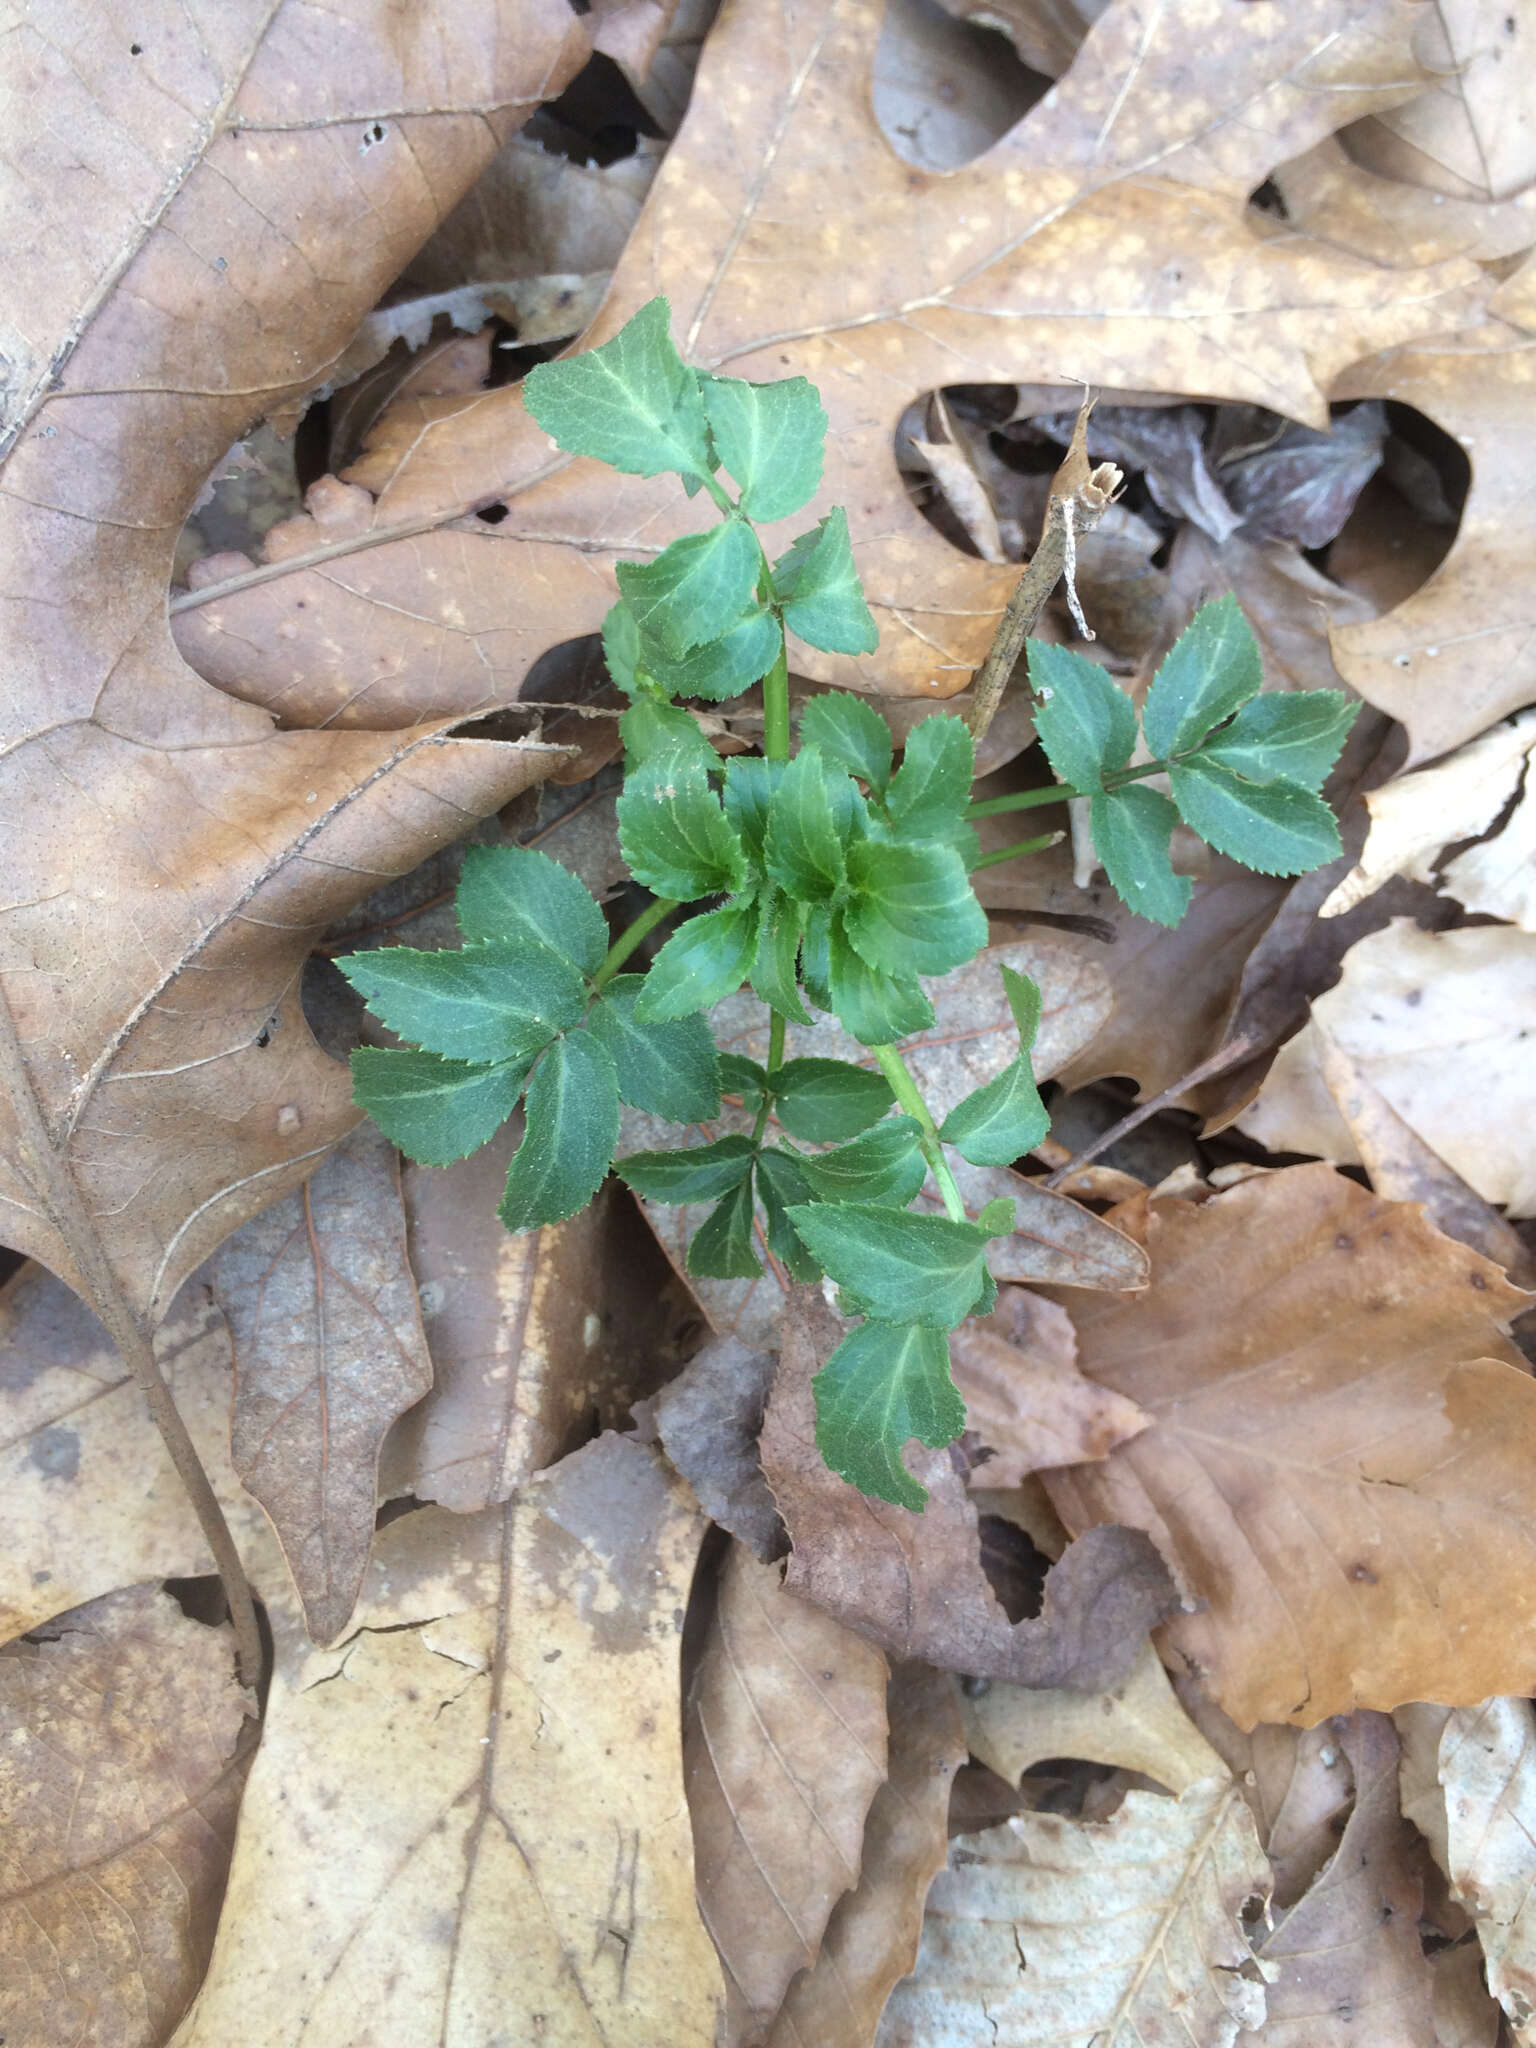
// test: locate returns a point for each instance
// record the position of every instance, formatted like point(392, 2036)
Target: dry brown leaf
point(121, 1764)
point(1487, 1764)
point(1137, 1725)
point(1465, 2016)
point(188, 226)
point(913, 1582)
point(530, 1336)
point(1046, 33)
point(1333, 198)
point(1106, 238)
point(1497, 878)
point(784, 1746)
point(328, 1350)
point(1344, 1447)
point(1438, 1022)
point(943, 95)
point(490, 1769)
point(1024, 1396)
point(708, 1420)
point(1050, 1931)
point(872, 1936)
point(1348, 1955)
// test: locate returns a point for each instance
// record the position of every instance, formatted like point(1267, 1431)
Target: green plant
point(843, 881)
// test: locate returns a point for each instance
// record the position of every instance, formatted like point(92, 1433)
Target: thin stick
point(1079, 498)
point(1231, 1055)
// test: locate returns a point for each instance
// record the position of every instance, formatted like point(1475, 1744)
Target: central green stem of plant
point(776, 708)
point(630, 937)
point(909, 1097)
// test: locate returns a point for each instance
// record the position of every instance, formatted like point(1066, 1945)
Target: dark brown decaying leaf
point(708, 1420)
point(1344, 1447)
point(121, 1764)
point(1350, 1964)
point(913, 1582)
point(784, 1746)
point(872, 1936)
point(328, 1350)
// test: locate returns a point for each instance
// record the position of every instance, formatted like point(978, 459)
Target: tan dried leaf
point(708, 1420)
point(121, 1763)
point(1487, 1765)
point(872, 1936)
point(1331, 196)
point(784, 1746)
point(1439, 1023)
point(1019, 1950)
point(1344, 1447)
point(1465, 2016)
point(1106, 238)
point(492, 1764)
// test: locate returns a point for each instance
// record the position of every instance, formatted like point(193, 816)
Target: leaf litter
point(1286, 1423)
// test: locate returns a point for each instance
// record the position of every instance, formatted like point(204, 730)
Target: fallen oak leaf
point(913, 1582)
point(1487, 1765)
point(708, 1420)
point(1338, 1413)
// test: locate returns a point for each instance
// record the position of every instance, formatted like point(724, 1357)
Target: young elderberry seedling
point(835, 883)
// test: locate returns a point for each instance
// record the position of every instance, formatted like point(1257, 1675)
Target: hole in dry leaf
point(201, 1600)
point(1268, 198)
point(373, 134)
point(492, 515)
point(596, 121)
point(392, 1510)
point(945, 90)
point(135, 49)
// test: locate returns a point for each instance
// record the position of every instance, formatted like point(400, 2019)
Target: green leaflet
point(696, 588)
point(623, 650)
point(1005, 1117)
point(501, 999)
point(899, 1267)
point(674, 835)
point(912, 909)
point(722, 1247)
point(1284, 736)
point(701, 1173)
point(1085, 724)
point(778, 951)
point(823, 1101)
point(633, 403)
point(770, 437)
point(1131, 831)
point(852, 733)
point(816, 811)
point(725, 667)
point(670, 1069)
point(885, 1384)
point(1211, 669)
point(875, 1008)
point(886, 1165)
point(750, 782)
point(1273, 827)
point(818, 586)
point(653, 732)
point(932, 786)
point(435, 1110)
point(816, 954)
point(780, 1184)
point(512, 892)
point(571, 1117)
point(743, 1077)
point(707, 959)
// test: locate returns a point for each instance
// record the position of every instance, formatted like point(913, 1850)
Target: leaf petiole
point(1058, 793)
point(909, 1097)
point(1022, 846)
point(631, 937)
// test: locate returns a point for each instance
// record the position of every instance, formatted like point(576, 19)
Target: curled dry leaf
point(1348, 1958)
point(1344, 1448)
point(787, 243)
point(872, 1936)
point(492, 1762)
point(121, 1763)
point(913, 1582)
point(1487, 1764)
point(1439, 1023)
point(328, 1350)
point(171, 857)
point(708, 1420)
point(784, 1746)
point(1018, 1949)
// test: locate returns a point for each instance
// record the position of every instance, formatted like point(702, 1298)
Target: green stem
point(1060, 792)
point(992, 860)
point(776, 707)
point(775, 1061)
point(906, 1092)
point(631, 936)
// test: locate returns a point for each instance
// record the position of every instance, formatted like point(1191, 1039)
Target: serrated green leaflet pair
point(827, 876)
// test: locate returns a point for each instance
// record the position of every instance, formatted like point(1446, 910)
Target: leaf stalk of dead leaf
point(56, 1191)
point(909, 1097)
point(1230, 1055)
point(631, 936)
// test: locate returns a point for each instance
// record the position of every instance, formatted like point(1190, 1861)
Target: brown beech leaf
point(913, 1582)
point(328, 1350)
point(529, 1335)
point(872, 1936)
point(1487, 1764)
point(1350, 1965)
point(1024, 1396)
point(1465, 2016)
point(1105, 238)
point(1077, 1934)
point(121, 1763)
point(1344, 1444)
point(784, 1746)
point(708, 1420)
point(492, 1763)
point(973, 1037)
point(187, 222)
